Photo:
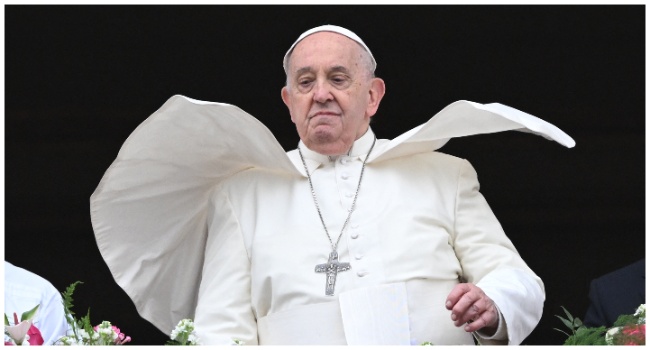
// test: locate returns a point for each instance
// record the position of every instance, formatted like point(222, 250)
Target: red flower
point(35, 337)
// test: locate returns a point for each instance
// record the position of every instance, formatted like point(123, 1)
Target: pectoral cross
point(332, 268)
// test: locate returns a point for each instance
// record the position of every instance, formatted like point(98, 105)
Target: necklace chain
point(354, 201)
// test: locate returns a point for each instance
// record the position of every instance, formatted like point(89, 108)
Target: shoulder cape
point(149, 210)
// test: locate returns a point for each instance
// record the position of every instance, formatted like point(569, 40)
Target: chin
point(328, 142)
point(329, 148)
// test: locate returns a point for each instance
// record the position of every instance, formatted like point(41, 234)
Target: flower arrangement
point(627, 330)
point(81, 330)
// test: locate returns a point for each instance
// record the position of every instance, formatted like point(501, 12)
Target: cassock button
point(354, 235)
point(344, 160)
point(345, 176)
point(362, 273)
point(349, 194)
point(358, 256)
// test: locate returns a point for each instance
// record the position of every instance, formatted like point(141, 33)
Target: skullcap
point(329, 28)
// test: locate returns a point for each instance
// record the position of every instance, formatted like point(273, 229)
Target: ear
point(285, 95)
point(377, 91)
point(285, 98)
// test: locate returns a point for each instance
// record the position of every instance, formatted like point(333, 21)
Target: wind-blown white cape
point(149, 212)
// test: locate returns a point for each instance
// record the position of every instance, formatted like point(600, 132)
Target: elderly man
point(348, 239)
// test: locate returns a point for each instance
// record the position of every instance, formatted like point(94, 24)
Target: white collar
point(359, 148)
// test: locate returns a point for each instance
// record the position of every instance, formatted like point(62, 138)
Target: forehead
point(324, 48)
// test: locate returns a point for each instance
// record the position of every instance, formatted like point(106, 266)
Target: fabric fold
point(149, 210)
point(466, 118)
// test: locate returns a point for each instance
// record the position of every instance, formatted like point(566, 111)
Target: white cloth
point(208, 201)
point(24, 290)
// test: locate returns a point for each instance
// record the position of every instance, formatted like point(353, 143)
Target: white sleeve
point(224, 312)
point(489, 260)
point(520, 298)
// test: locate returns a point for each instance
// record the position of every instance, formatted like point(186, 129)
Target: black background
point(79, 79)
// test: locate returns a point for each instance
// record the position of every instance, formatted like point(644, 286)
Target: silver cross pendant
point(332, 268)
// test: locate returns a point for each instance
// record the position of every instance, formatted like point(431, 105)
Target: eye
point(340, 80)
point(304, 82)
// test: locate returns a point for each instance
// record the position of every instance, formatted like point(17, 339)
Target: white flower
point(640, 312)
point(193, 339)
point(609, 336)
point(184, 333)
point(65, 340)
point(18, 332)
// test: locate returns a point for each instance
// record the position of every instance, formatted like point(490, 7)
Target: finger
point(471, 306)
point(465, 309)
point(486, 319)
point(456, 293)
point(466, 314)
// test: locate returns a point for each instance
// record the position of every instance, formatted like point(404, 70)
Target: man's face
point(329, 92)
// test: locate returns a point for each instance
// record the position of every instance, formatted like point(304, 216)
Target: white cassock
point(203, 215)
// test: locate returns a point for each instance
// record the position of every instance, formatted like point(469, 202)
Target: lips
point(323, 113)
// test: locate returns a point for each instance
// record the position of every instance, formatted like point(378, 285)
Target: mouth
point(323, 114)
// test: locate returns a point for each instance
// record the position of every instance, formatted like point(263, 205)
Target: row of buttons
point(354, 234)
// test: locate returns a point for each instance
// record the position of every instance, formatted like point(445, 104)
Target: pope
point(347, 239)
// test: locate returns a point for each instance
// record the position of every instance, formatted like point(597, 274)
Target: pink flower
point(632, 335)
point(35, 337)
point(635, 329)
point(22, 329)
point(121, 337)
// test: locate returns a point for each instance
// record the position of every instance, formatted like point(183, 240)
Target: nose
point(322, 92)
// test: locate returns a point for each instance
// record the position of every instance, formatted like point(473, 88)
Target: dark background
point(79, 79)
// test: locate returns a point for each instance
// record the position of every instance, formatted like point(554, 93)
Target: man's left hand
point(469, 305)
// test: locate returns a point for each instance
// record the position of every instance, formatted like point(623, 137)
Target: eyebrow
point(303, 70)
point(340, 69)
point(309, 69)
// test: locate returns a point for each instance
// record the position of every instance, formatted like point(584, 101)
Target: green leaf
point(559, 330)
point(568, 315)
point(567, 323)
point(624, 320)
point(6, 320)
point(577, 322)
point(28, 315)
point(67, 296)
point(67, 306)
point(587, 336)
